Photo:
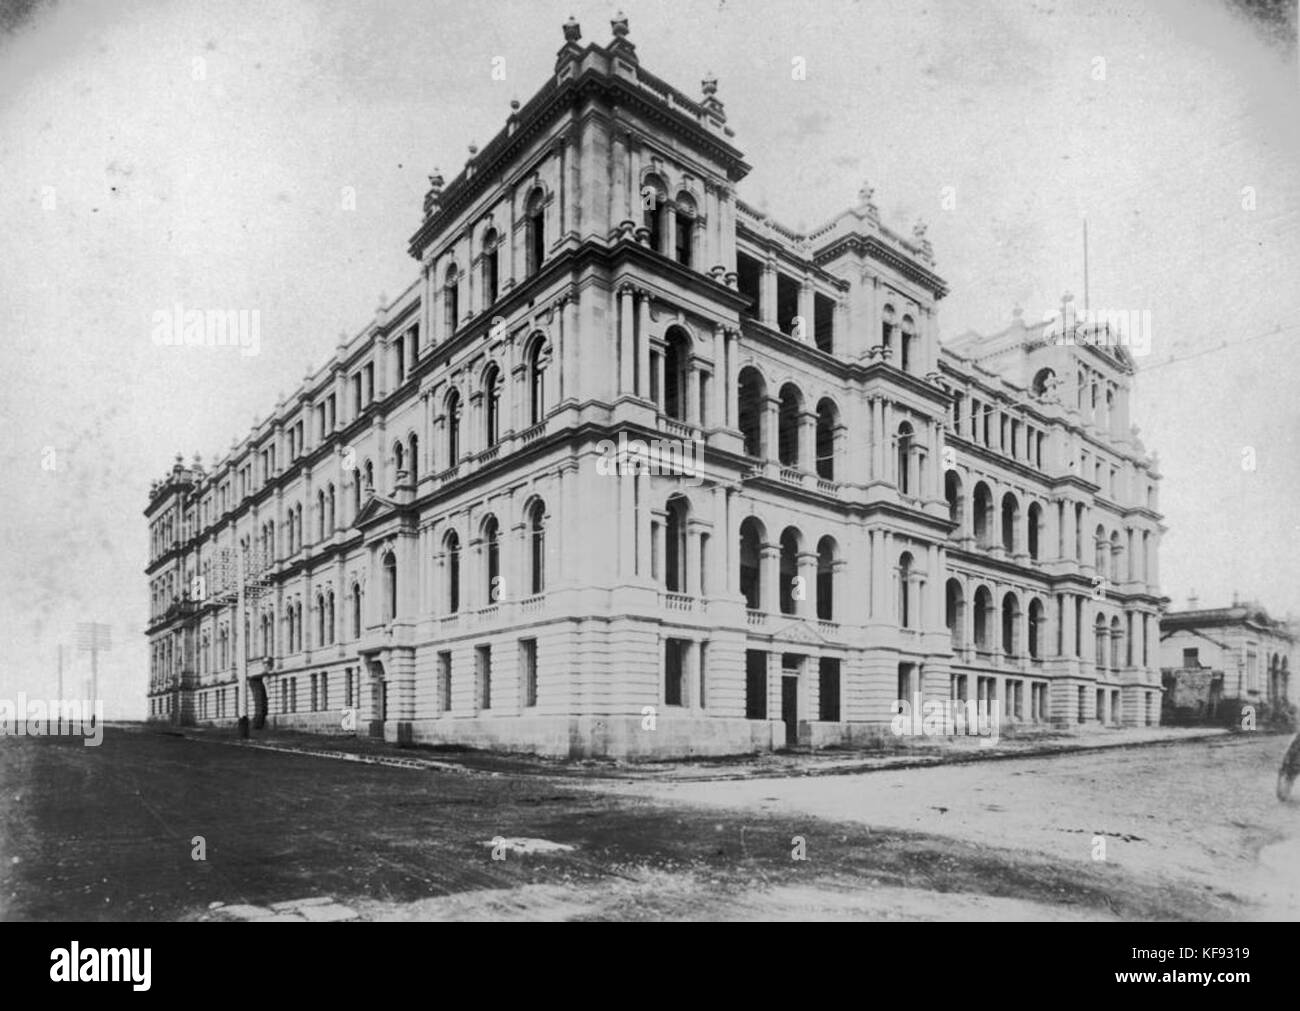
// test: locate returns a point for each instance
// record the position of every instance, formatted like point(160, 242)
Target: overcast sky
point(162, 152)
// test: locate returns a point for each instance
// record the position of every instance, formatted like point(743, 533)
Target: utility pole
point(92, 636)
point(1085, 265)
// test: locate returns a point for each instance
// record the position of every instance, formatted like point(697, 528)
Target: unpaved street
point(1192, 830)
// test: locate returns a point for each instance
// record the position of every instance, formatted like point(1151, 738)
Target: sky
point(172, 151)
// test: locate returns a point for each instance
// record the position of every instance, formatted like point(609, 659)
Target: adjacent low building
point(1216, 661)
point(634, 469)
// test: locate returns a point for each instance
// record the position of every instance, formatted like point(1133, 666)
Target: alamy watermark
point(54, 718)
point(656, 457)
point(1130, 328)
point(948, 718)
point(177, 326)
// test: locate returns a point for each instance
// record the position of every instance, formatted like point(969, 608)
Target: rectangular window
point(674, 670)
point(330, 419)
point(357, 402)
point(444, 682)
point(315, 697)
point(824, 323)
point(749, 281)
point(528, 671)
point(324, 692)
point(370, 382)
point(755, 684)
point(828, 690)
point(483, 675)
point(399, 359)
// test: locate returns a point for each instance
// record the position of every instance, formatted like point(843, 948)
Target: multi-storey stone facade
point(439, 540)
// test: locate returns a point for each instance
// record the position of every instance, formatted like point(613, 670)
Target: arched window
point(492, 559)
point(356, 610)
point(905, 458)
point(320, 620)
point(330, 525)
point(399, 457)
point(1010, 625)
point(653, 208)
point(1042, 383)
point(675, 578)
point(751, 402)
point(451, 299)
point(535, 215)
point(413, 459)
point(1010, 519)
point(357, 478)
point(677, 363)
point(537, 362)
point(685, 228)
point(788, 421)
point(1099, 630)
point(491, 267)
point(453, 428)
point(1116, 643)
point(329, 618)
point(983, 505)
point(952, 494)
point(983, 611)
point(492, 411)
point(826, 557)
point(907, 343)
point(752, 537)
point(954, 611)
point(369, 470)
point(905, 589)
point(537, 547)
point(320, 518)
point(887, 325)
point(451, 547)
point(827, 422)
point(1101, 552)
point(791, 585)
point(1035, 527)
point(1035, 627)
point(390, 586)
point(1116, 556)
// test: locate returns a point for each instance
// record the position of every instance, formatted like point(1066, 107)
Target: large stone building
point(436, 533)
point(1216, 660)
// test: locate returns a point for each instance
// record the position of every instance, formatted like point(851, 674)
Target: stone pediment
point(799, 631)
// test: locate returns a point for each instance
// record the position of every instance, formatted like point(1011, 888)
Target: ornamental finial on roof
point(866, 193)
point(619, 25)
point(710, 84)
point(572, 30)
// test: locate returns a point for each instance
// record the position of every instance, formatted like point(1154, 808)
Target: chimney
point(1193, 602)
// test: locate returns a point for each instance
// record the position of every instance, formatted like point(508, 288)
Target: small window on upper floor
point(685, 228)
point(535, 216)
point(749, 281)
point(1191, 657)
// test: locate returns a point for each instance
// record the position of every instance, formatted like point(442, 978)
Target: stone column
point(806, 567)
point(807, 311)
point(772, 427)
point(808, 441)
point(767, 298)
point(643, 345)
point(693, 393)
point(769, 577)
point(626, 347)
